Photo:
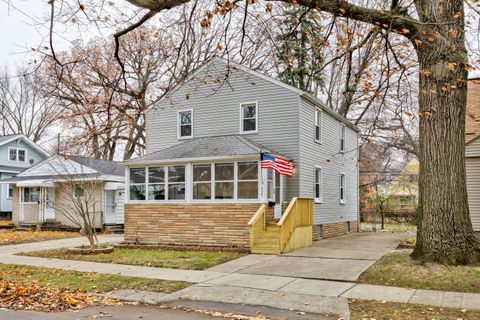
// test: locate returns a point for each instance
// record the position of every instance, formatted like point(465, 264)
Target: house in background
point(17, 153)
point(44, 193)
point(402, 191)
point(472, 151)
point(201, 182)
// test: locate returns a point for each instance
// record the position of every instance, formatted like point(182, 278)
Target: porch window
point(30, 194)
point(342, 187)
point(156, 183)
point(318, 185)
point(176, 182)
point(137, 183)
point(342, 139)
point(247, 180)
point(249, 118)
point(185, 124)
point(318, 125)
point(202, 181)
point(79, 191)
point(224, 181)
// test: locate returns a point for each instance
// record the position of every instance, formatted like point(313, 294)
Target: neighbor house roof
point(64, 167)
point(205, 148)
point(307, 96)
point(11, 169)
point(8, 138)
point(472, 118)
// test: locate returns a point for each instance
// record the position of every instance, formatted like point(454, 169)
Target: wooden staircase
point(293, 231)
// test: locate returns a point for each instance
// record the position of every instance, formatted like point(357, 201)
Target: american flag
point(278, 164)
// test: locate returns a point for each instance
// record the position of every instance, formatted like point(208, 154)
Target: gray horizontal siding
point(216, 111)
point(473, 188)
point(327, 155)
point(473, 149)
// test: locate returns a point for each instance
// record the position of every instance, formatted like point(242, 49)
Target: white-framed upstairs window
point(343, 199)
point(318, 181)
point(249, 117)
point(342, 139)
point(318, 125)
point(185, 124)
point(17, 154)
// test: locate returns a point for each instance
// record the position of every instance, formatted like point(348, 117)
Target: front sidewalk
point(233, 283)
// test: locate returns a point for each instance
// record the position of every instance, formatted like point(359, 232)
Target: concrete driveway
point(341, 258)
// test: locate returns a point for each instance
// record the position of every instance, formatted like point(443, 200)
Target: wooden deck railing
point(299, 213)
point(257, 224)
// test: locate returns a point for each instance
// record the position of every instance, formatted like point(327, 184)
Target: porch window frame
point(212, 180)
point(23, 196)
point(179, 124)
point(242, 105)
point(238, 180)
point(318, 199)
point(130, 184)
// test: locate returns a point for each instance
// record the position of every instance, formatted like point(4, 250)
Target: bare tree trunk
point(445, 232)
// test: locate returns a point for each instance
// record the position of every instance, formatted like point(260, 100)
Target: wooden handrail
point(257, 224)
point(257, 215)
point(299, 213)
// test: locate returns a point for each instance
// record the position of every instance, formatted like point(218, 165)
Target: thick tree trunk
point(445, 232)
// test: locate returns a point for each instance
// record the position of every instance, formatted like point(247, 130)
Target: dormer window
point(185, 124)
point(249, 117)
point(17, 154)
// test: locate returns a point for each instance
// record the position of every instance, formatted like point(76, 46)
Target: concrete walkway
point(305, 280)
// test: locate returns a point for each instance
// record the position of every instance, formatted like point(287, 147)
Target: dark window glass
point(137, 192)
point(156, 175)
point(224, 171)
point(137, 175)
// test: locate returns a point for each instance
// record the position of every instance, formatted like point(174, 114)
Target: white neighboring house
point(39, 190)
point(17, 152)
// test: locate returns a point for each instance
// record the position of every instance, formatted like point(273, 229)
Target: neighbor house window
point(342, 188)
point(202, 181)
point(156, 183)
point(30, 194)
point(249, 117)
point(137, 184)
point(318, 125)
point(185, 124)
point(247, 178)
point(176, 182)
point(10, 191)
point(79, 191)
point(224, 181)
point(318, 184)
point(18, 155)
point(342, 139)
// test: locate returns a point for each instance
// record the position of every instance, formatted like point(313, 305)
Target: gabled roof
point(204, 148)
point(9, 138)
point(64, 167)
point(307, 96)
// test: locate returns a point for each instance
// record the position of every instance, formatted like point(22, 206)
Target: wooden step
point(267, 242)
point(265, 251)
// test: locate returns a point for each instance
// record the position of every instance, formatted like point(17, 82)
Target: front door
point(49, 208)
point(109, 217)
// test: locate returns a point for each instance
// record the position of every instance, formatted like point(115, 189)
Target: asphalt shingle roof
point(232, 145)
point(102, 166)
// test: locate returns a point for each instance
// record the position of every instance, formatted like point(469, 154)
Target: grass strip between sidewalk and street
point(88, 281)
point(9, 236)
point(189, 260)
point(400, 270)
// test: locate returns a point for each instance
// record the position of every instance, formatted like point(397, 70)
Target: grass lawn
point(16, 237)
point(398, 269)
point(92, 282)
point(193, 260)
point(367, 310)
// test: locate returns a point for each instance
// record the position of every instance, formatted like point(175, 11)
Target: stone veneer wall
point(189, 224)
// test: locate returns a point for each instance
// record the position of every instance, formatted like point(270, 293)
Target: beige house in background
point(46, 192)
point(472, 151)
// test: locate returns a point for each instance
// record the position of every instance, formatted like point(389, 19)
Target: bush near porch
point(10, 236)
point(193, 260)
point(398, 269)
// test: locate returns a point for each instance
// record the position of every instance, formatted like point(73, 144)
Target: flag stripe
point(278, 164)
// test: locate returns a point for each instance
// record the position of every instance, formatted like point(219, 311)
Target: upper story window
point(17, 154)
point(318, 185)
point(249, 117)
point(318, 125)
point(185, 124)
point(342, 188)
point(342, 139)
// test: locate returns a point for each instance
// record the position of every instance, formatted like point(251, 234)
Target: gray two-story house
point(17, 153)
point(201, 182)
